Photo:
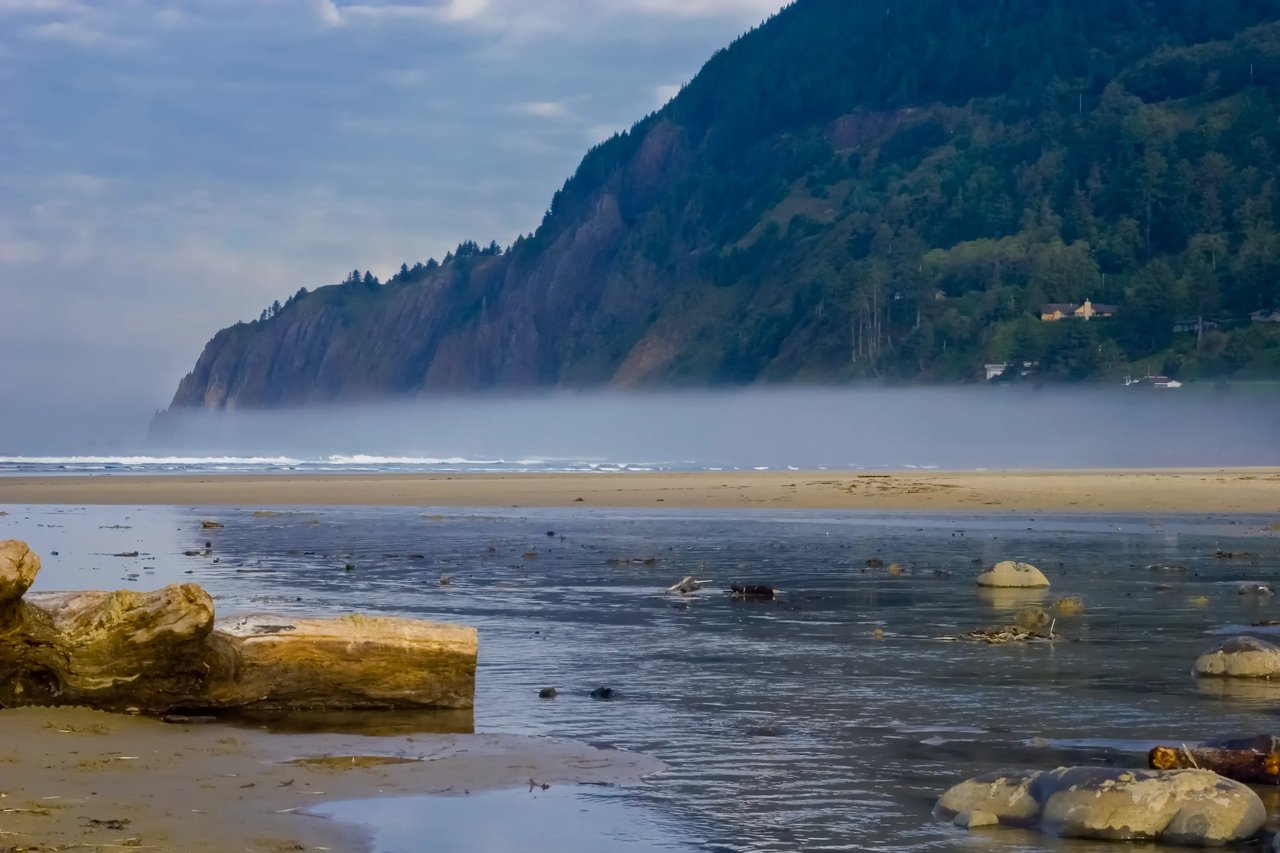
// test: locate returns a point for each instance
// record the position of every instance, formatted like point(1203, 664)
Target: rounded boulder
point(1240, 657)
point(1009, 574)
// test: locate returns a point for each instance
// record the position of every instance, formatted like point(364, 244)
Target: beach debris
point(445, 580)
point(895, 569)
point(1014, 575)
point(1007, 634)
point(162, 652)
point(1165, 567)
point(1194, 808)
point(1069, 605)
point(539, 785)
point(113, 823)
point(877, 634)
point(211, 525)
point(752, 592)
point(1198, 601)
point(577, 500)
point(688, 584)
point(602, 693)
point(548, 693)
point(125, 554)
point(1234, 555)
point(1265, 623)
point(1254, 766)
point(874, 562)
point(1259, 589)
point(530, 555)
point(1240, 657)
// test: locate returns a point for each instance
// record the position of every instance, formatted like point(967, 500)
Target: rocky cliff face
point(855, 189)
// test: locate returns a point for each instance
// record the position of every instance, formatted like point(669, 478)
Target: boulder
point(1195, 808)
point(1240, 657)
point(161, 652)
point(1010, 574)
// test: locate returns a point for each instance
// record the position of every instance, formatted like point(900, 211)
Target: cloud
point(543, 109)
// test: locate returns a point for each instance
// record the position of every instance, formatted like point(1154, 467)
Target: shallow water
point(786, 726)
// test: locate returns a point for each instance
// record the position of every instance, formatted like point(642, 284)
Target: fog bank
point(952, 428)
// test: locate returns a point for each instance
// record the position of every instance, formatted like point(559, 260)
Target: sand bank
point(1246, 490)
point(82, 779)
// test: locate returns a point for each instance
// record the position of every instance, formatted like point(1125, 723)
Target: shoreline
point(1190, 490)
point(90, 779)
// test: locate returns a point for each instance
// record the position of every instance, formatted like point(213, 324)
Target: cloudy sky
point(170, 167)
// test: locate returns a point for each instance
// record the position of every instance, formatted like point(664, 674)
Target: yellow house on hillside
point(1066, 311)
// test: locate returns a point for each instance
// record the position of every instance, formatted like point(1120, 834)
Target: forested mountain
point(858, 189)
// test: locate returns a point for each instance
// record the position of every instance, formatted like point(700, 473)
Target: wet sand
point(1202, 490)
point(73, 778)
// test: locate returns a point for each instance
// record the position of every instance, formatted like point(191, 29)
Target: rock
point(211, 525)
point(894, 569)
point(1258, 589)
point(1033, 618)
point(1181, 807)
point(752, 592)
point(548, 693)
point(1010, 574)
point(1069, 605)
point(976, 818)
point(1240, 657)
point(602, 693)
point(161, 652)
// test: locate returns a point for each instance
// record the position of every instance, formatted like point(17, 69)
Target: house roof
point(1104, 308)
point(1064, 307)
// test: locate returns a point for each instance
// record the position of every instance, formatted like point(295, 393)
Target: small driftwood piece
point(162, 652)
point(688, 584)
point(1243, 765)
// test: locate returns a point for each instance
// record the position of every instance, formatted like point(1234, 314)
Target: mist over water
point(948, 428)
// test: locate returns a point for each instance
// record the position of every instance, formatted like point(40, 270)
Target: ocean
point(786, 725)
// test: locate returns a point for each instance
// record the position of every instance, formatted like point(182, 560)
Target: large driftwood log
point(162, 651)
point(1243, 765)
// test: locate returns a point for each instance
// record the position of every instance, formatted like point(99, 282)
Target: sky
point(170, 168)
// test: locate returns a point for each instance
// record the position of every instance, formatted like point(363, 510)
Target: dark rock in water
point(752, 592)
point(602, 693)
point(766, 731)
point(547, 693)
point(875, 562)
point(551, 533)
point(126, 554)
point(191, 553)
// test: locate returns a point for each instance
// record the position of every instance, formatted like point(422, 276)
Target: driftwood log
point(1243, 765)
point(162, 652)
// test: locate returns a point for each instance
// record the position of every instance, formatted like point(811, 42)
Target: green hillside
point(854, 190)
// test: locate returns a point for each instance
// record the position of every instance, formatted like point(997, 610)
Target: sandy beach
point(79, 779)
point(1202, 490)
